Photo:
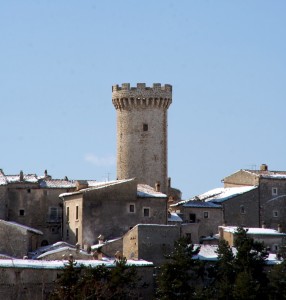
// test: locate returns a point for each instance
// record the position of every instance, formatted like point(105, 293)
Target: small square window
point(131, 208)
point(146, 212)
point(274, 191)
point(21, 212)
point(275, 213)
point(28, 191)
point(145, 127)
point(206, 214)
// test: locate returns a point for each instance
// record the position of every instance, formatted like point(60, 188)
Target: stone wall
point(150, 242)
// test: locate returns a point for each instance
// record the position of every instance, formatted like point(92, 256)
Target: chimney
point(21, 176)
point(279, 228)
point(263, 167)
point(81, 184)
point(157, 186)
point(100, 239)
point(46, 173)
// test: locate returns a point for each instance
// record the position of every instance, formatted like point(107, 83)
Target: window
point(68, 214)
point(274, 191)
point(53, 213)
point(76, 212)
point(192, 218)
point(76, 235)
point(242, 209)
point(206, 214)
point(21, 212)
point(68, 234)
point(275, 213)
point(29, 191)
point(45, 192)
point(146, 212)
point(132, 208)
point(145, 127)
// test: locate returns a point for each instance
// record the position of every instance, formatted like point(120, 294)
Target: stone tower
point(142, 132)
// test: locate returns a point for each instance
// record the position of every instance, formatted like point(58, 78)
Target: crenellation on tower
point(142, 132)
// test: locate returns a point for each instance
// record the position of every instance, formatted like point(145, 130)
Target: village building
point(270, 196)
point(271, 238)
point(18, 240)
point(110, 209)
point(34, 201)
point(150, 242)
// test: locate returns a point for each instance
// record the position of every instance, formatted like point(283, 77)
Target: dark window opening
point(53, 213)
point(206, 214)
point(145, 127)
point(21, 212)
point(192, 218)
point(29, 191)
point(242, 209)
point(146, 212)
point(76, 212)
point(132, 208)
point(76, 235)
point(68, 214)
point(68, 234)
point(44, 243)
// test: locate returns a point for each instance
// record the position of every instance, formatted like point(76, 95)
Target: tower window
point(21, 212)
point(206, 214)
point(274, 191)
point(145, 127)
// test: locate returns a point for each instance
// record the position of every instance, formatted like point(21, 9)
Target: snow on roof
point(31, 178)
point(62, 249)
point(96, 185)
point(60, 264)
point(51, 247)
point(253, 230)
point(97, 246)
point(3, 180)
point(267, 174)
point(173, 217)
point(209, 253)
point(23, 227)
point(217, 195)
point(146, 191)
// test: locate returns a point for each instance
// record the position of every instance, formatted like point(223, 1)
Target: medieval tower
point(142, 132)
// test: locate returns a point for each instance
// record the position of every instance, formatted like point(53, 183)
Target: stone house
point(203, 214)
point(110, 209)
point(271, 238)
point(18, 240)
point(200, 218)
point(150, 242)
point(34, 201)
point(35, 279)
point(270, 196)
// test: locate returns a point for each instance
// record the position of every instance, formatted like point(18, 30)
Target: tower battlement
point(125, 96)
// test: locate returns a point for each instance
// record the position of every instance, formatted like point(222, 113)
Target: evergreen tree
point(277, 285)
point(78, 282)
point(176, 276)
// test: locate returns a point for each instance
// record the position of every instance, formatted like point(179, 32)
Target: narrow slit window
point(145, 127)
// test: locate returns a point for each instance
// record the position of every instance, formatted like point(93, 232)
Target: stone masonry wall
point(142, 132)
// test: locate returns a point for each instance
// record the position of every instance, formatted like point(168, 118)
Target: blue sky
point(225, 59)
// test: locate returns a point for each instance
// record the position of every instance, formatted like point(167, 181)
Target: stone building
point(35, 279)
point(150, 242)
point(142, 132)
point(17, 240)
point(110, 209)
point(271, 238)
point(270, 196)
point(34, 201)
